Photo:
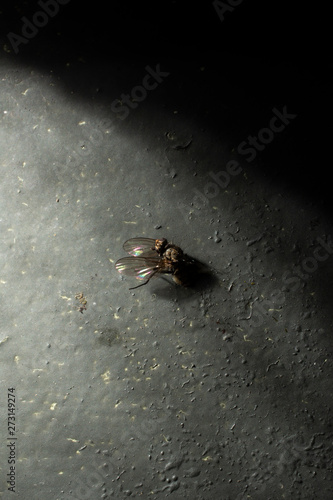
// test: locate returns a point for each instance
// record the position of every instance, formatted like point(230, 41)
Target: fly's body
point(149, 258)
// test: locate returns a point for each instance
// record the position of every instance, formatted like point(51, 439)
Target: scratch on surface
point(246, 339)
point(251, 309)
point(64, 297)
point(272, 364)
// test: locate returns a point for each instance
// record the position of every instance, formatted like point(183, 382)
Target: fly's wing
point(140, 267)
point(140, 246)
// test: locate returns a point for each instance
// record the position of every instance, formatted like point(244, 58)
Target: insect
point(149, 257)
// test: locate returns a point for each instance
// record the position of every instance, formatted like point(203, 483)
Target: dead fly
point(151, 258)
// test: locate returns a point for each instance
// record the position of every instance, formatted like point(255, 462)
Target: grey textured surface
point(223, 391)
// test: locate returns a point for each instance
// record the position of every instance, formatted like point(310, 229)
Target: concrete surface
point(223, 391)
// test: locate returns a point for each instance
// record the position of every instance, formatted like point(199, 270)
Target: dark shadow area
point(227, 71)
point(203, 278)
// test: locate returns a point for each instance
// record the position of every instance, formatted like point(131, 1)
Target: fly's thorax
point(173, 253)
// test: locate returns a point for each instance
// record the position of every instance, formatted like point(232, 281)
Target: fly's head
point(160, 246)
